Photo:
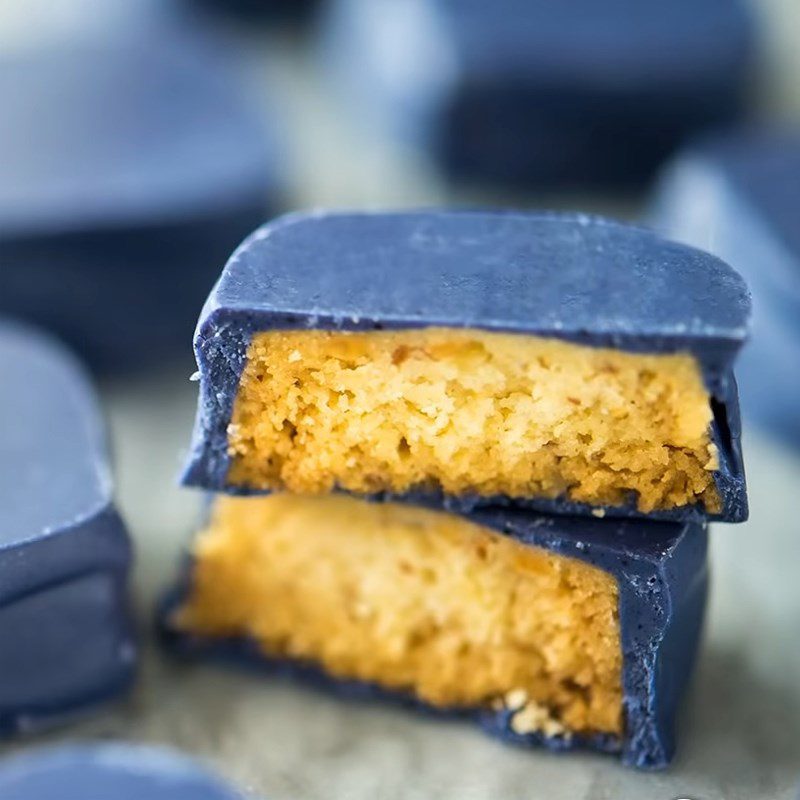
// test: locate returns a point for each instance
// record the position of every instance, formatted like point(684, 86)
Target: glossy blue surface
point(65, 634)
point(127, 172)
point(109, 772)
point(662, 572)
point(573, 277)
point(545, 94)
point(737, 195)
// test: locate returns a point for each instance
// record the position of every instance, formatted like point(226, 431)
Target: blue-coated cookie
point(542, 94)
point(127, 172)
point(567, 277)
point(662, 574)
point(66, 639)
point(265, 10)
point(737, 195)
point(109, 772)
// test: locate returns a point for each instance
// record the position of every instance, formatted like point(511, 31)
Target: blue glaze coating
point(535, 93)
point(66, 638)
point(737, 195)
point(109, 772)
point(662, 572)
point(572, 277)
point(128, 172)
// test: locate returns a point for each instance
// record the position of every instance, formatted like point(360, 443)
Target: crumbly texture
point(417, 601)
point(472, 412)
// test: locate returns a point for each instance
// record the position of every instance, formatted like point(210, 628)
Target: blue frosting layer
point(66, 638)
point(532, 92)
point(572, 277)
point(737, 195)
point(662, 572)
point(128, 173)
point(109, 772)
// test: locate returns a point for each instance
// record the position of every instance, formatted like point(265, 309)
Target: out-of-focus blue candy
point(109, 772)
point(127, 172)
point(292, 10)
point(542, 93)
point(65, 634)
point(737, 195)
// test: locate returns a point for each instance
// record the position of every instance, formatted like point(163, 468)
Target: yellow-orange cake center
point(475, 412)
point(417, 601)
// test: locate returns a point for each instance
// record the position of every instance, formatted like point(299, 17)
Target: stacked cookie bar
point(467, 460)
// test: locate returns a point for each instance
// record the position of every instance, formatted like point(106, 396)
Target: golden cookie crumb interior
point(472, 412)
point(416, 601)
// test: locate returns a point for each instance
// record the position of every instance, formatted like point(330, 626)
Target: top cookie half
point(552, 361)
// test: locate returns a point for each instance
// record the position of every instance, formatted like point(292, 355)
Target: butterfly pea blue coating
point(128, 171)
point(66, 638)
point(109, 772)
point(662, 572)
point(581, 279)
point(737, 195)
point(580, 93)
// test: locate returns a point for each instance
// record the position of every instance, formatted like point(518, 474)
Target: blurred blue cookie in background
point(737, 195)
point(127, 173)
point(109, 772)
point(263, 10)
point(543, 94)
point(66, 639)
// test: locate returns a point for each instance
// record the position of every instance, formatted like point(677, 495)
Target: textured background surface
point(741, 730)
